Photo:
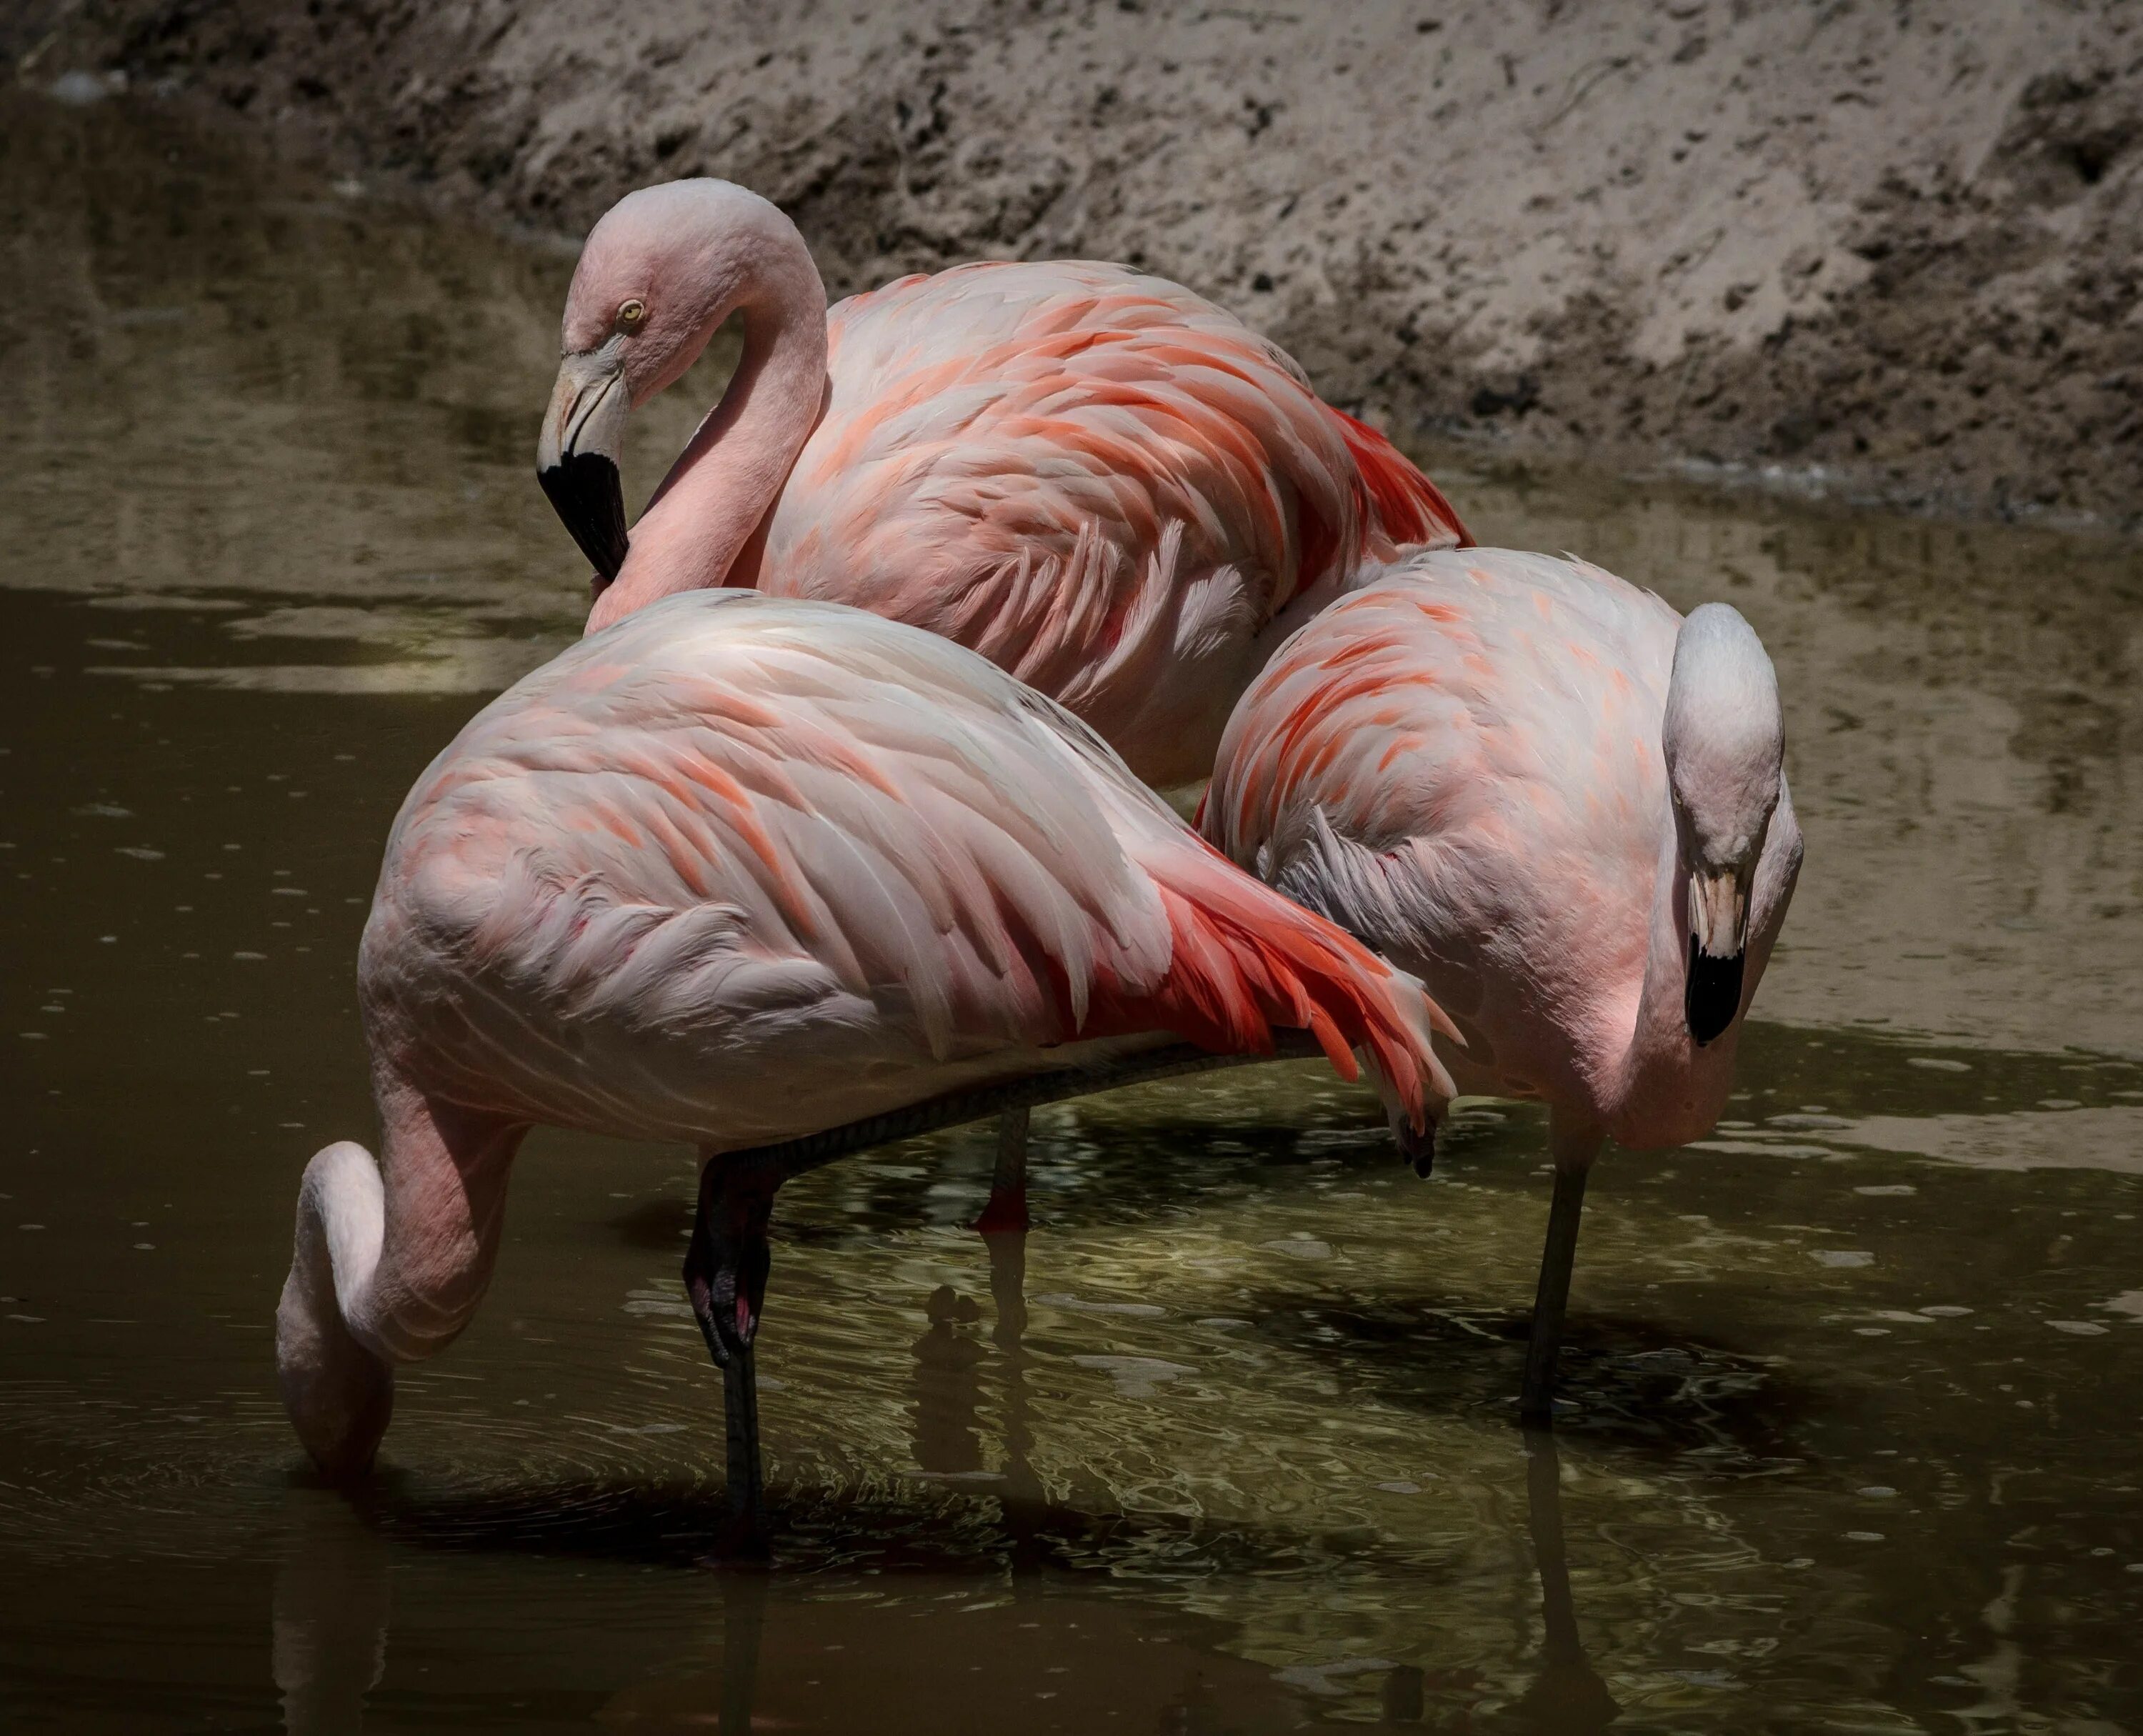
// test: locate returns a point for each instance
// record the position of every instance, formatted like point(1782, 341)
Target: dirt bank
point(1896, 247)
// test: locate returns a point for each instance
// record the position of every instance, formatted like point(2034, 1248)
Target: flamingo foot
point(725, 1272)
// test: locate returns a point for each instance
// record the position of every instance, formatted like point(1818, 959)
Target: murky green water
point(1855, 1384)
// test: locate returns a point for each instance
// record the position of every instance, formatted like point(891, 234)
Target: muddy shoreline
point(1873, 251)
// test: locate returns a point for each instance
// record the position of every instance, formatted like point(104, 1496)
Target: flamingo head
point(659, 274)
point(1724, 742)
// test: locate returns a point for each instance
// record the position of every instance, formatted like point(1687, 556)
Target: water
point(1854, 1383)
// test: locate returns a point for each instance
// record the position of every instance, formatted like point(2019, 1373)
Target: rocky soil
point(1890, 248)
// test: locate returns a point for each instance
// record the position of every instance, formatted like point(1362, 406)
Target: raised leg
point(725, 1271)
point(1007, 1210)
point(391, 1259)
point(1537, 1401)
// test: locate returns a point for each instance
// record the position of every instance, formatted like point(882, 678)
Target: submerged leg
point(1008, 1207)
point(1537, 1401)
point(725, 1271)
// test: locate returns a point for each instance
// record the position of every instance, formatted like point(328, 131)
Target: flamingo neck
point(1666, 1090)
point(705, 524)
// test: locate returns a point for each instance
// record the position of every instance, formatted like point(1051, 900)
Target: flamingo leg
point(1059, 1084)
point(1007, 1210)
point(1536, 1399)
point(725, 1272)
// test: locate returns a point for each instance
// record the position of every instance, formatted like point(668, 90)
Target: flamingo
point(1562, 806)
point(1106, 485)
point(781, 879)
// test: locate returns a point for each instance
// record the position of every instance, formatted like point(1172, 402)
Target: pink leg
point(391, 1260)
point(1006, 1211)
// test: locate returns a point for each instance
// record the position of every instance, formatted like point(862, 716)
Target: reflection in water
point(948, 1388)
point(789, 1659)
point(1023, 1493)
point(744, 1631)
point(331, 1610)
point(1567, 1696)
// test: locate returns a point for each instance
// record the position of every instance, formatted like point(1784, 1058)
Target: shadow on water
point(1032, 1584)
point(1039, 1575)
point(1645, 1387)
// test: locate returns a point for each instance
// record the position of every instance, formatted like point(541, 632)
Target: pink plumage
point(736, 871)
point(1103, 482)
point(1561, 805)
point(743, 868)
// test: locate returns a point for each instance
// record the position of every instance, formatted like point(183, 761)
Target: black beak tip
point(587, 494)
point(1712, 996)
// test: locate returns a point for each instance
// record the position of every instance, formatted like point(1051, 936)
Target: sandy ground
point(1885, 248)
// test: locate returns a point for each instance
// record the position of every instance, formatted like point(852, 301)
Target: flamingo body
point(742, 869)
point(1103, 482)
point(1462, 763)
point(1561, 805)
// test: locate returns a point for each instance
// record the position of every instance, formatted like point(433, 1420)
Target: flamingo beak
point(576, 454)
point(1718, 940)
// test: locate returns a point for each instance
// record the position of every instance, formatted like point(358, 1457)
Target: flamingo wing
point(1448, 763)
point(740, 869)
point(1102, 483)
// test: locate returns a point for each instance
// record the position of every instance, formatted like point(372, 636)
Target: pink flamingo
point(1102, 483)
point(781, 879)
point(1559, 804)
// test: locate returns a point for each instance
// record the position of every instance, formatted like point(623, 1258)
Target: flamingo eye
point(631, 313)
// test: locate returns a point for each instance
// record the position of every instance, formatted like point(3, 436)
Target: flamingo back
point(1104, 483)
point(1461, 764)
point(740, 869)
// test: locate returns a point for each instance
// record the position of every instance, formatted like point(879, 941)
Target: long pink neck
point(725, 483)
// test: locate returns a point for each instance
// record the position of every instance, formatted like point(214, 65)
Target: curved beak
point(576, 454)
point(1718, 936)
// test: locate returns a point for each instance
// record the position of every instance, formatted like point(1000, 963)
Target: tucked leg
point(1008, 1207)
point(1573, 1163)
point(725, 1272)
